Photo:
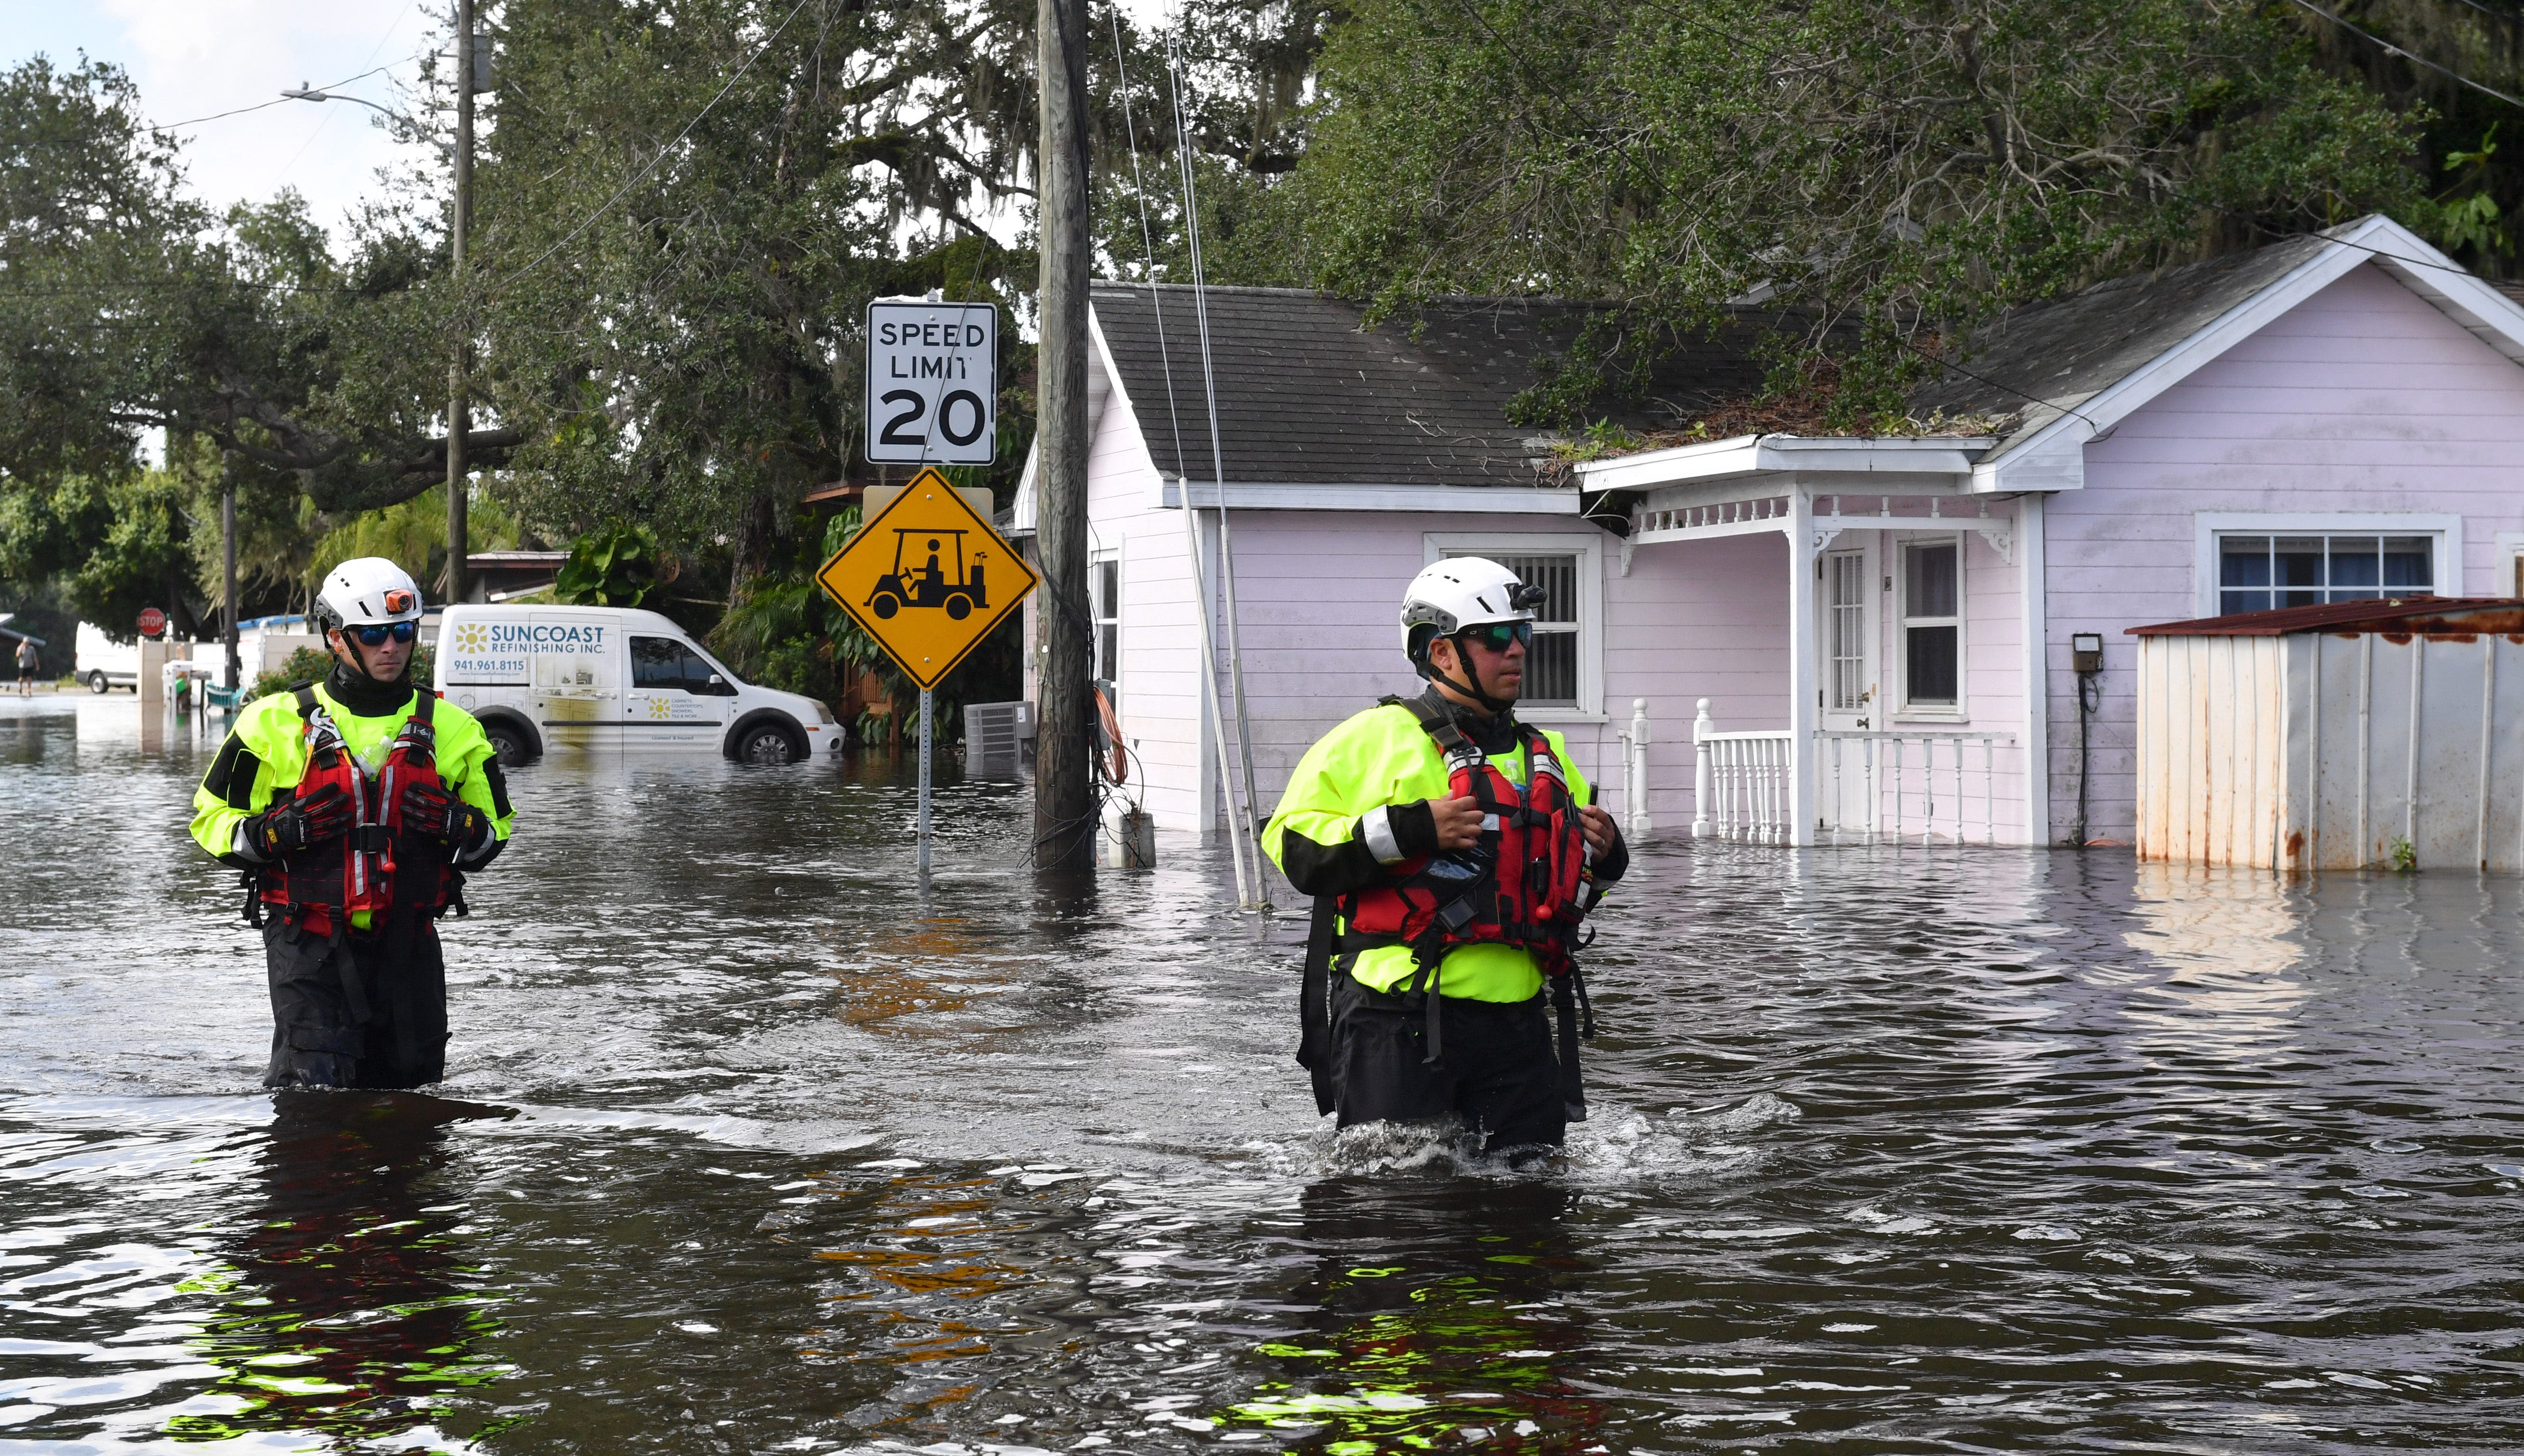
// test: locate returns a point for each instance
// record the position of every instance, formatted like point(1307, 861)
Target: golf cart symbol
point(929, 585)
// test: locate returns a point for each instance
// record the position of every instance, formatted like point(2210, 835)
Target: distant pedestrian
point(29, 662)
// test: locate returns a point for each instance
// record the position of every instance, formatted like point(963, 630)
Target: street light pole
point(458, 222)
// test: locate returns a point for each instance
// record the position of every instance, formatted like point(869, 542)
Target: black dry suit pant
point(356, 1010)
point(1499, 1073)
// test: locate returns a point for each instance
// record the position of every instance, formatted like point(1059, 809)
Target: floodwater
point(745, 1148)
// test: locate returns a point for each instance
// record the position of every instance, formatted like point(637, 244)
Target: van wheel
point(96, 682)
point(511, 745)
point(770, 741)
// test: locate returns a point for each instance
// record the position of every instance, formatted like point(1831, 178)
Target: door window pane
point(1848, 606)
point(657, 662)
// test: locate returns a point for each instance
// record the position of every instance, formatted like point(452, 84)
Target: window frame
point(1899, 649)
point(1436, 545)
point(1101, 614)
point(2209, 525)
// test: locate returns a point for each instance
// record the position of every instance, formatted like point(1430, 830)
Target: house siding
point(2363, 399)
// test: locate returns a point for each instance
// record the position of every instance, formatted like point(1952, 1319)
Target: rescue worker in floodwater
point(1453, 853)
point(356, 807)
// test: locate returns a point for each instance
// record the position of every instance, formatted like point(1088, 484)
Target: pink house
point(1885, 631)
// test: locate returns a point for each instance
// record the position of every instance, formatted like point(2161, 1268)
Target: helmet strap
point(1472, 686)
point(357, 664)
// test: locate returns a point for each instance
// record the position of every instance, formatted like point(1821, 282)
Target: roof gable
point(2079, 366)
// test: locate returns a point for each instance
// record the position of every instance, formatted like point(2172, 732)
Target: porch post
point(1803, 681)
point(2032, 579)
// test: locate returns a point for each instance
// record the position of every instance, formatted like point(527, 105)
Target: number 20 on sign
point(932, 382)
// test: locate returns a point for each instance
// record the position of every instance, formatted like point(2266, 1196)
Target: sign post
point(928, 578)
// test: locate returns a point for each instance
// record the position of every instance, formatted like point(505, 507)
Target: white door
point(1851, 699)
point(677, 698)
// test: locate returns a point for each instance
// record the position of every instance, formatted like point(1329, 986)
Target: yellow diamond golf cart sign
point(928, 578)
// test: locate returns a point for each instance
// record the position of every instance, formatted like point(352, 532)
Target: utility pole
point(227, 549)
point(1064, 799)
point(461, 218)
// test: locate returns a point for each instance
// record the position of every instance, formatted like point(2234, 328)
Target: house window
point(1105, 591)
point(1551, 663)
point(1564, 669)
point(1932, 626)
point(2258, 573)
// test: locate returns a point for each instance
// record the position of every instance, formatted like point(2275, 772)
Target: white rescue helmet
point(364, 591)
point(1457, 593)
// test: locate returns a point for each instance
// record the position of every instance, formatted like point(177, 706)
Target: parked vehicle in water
point(100, 663)
point(612, 677)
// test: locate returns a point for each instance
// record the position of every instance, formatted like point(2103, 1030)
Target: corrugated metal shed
point(2343, 736)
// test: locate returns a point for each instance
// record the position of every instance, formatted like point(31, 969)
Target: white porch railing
point(1908, 786)
point(1916, 785)
point(1740, 784)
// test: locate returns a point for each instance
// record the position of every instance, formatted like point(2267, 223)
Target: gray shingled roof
point(2066, 352)
point(1306, 396)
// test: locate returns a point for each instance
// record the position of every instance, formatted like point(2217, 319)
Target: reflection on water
point(1437, 1324)
point(345, 1306)
point(747, 1148)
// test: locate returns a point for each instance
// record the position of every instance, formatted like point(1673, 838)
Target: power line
point(2394, 50)
point(282, 99)
point(637, 178)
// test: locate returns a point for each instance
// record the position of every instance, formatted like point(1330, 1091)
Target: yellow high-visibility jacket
point(267, 752)
point(1378, 760)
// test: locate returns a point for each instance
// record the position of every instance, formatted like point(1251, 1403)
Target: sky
point(192, 58)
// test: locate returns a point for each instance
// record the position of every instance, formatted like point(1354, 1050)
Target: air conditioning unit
point(997, 739)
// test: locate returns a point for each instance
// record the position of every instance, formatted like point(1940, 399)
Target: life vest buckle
point(369, 838)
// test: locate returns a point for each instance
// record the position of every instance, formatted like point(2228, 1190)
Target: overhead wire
point(652, 165)
point(1245, 896)
point(1218, 470)
point(279, 100)
point(2414, 59)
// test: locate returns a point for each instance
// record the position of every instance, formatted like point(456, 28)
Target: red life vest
point(1525, 883)
point(378, 867)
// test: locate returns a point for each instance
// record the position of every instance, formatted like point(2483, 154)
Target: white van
point(612, 677)
point(102, 663)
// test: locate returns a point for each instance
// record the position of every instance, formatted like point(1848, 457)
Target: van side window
point(659, 663)
point(697, 673)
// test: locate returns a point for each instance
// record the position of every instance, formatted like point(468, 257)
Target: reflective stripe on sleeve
point(1378, 829)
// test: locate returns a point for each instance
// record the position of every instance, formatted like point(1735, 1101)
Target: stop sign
point(152, 621)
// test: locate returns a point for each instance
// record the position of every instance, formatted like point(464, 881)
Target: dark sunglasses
point(377, 635)
point(1497, 636)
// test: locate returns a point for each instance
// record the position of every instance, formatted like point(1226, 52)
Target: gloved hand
point(443, 816)
point(287, 828)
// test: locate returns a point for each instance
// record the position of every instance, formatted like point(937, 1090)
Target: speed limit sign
point(933, 384)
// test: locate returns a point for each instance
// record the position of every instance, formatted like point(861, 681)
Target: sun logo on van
point(658, 707)
point(472, 637)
